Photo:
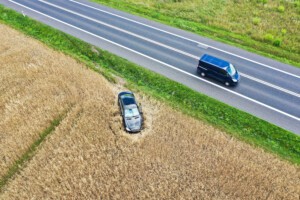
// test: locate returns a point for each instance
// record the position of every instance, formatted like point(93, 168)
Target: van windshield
point(231, 70)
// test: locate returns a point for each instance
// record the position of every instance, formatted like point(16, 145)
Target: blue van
point(218, 69)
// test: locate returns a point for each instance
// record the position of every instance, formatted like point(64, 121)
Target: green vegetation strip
point(235, 122)
point(28, 154)
point(259, 46)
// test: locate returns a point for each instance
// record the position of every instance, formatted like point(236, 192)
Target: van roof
point(215, 61)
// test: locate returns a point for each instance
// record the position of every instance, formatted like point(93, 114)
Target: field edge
point(253, 130)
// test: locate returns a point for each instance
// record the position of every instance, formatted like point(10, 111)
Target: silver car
point(132, 114)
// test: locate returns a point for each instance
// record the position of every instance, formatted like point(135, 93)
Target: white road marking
point(202, 46)
point(271, 85)
point(163, 45)
point(165, 64)
point(179, 36)
point(121, 30)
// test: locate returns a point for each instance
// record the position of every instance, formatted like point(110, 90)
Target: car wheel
point(227, 83)
point(202, 74)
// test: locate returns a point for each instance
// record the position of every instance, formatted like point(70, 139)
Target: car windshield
point(131, 112)
point(231, 70)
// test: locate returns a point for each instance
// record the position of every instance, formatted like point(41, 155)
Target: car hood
point(134, 123)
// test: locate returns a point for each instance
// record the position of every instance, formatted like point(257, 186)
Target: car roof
point(215, 61)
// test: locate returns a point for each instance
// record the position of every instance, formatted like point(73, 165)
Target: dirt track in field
point(90, 156)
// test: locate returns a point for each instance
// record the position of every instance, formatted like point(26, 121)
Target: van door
point(213, 72)
point(222, 75)
point(202, 67)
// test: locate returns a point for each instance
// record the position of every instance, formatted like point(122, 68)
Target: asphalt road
point(268, 89)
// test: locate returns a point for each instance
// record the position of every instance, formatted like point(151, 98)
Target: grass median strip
point(29, 153)
point(238, 123)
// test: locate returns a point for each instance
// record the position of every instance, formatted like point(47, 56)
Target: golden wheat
point(90, 156)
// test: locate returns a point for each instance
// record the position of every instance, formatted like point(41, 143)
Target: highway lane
point(275, 99)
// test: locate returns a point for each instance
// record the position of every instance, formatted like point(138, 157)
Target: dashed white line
point(165, 64)
point(179, 36)
point(163, 45)
point(271, 85)
point(121, 30)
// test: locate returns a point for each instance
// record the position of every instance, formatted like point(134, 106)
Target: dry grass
point(31, 93)
point(90, 156)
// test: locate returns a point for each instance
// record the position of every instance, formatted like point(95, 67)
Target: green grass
point(228, 21)
point(28, 154)
point(235, 122)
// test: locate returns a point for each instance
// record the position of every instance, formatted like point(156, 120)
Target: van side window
point(223, 72)
point(215, 69)
point(203, 64)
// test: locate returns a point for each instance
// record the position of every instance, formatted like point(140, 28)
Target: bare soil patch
point(90, 156)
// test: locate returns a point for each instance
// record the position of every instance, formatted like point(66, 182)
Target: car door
point(121, 106)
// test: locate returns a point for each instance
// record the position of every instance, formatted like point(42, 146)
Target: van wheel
point(227, 83)
point(202, 74)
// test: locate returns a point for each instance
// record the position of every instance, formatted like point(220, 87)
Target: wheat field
point(90, 156)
